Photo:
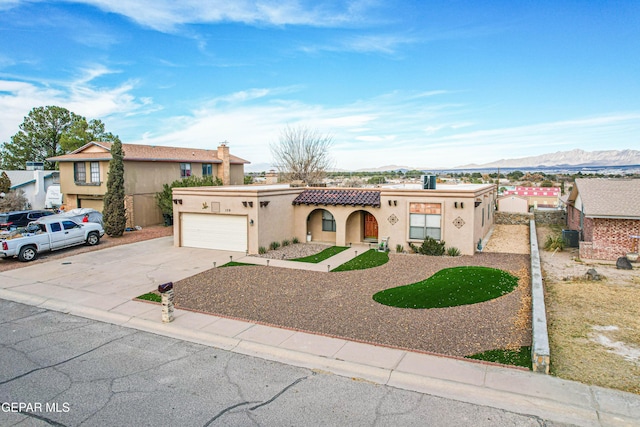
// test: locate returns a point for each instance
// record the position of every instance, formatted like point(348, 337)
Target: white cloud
point(18, 97)
point(168, 15)
point(389, 129)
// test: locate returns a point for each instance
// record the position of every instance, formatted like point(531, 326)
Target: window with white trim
point(424, 221)
point(79, 172)
point(207, 169)
point(95, 172)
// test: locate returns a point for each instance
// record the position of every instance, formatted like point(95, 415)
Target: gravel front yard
point(341, 304)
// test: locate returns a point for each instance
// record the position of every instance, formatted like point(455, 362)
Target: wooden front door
point(370, 226)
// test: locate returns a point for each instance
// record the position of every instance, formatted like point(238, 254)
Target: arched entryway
point(321, 226)
point(362, 226)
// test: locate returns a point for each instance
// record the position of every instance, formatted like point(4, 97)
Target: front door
point(370, 226)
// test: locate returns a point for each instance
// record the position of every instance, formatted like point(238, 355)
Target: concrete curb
point(477, 383)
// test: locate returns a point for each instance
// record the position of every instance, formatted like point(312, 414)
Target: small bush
point(295, 240)
point(414, 248)
point(286, 242)
point(274, 245)
point(453, 251)
point(399, 248)
point(262, 250)
point(554, 243)
point(432, 247)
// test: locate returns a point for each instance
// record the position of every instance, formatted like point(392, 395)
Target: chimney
point(224, 169)
point(271, 177)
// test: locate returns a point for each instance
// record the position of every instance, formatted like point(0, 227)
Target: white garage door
point(210, 231)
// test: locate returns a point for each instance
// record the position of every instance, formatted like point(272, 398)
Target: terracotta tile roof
point(603, 197)
point(148, 153)
point(334, 197)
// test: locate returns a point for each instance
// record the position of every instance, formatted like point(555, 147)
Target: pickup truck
point(48, 234)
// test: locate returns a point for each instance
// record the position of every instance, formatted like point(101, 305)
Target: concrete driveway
point(109, 278)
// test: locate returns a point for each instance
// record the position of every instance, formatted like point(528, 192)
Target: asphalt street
point(62, 370)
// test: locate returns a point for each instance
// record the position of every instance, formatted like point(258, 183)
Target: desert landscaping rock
point(341, 304)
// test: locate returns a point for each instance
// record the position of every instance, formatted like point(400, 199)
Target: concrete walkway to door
point(326, 265)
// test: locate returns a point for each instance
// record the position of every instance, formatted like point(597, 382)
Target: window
point(328, 221)
point(207, 169)
point(79, 172)
point(424, 221)
point(185, 170)
point(55, 226)
point(68, 225)
point(95, 172)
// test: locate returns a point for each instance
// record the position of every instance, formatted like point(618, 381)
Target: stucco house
point(245, 218)
point(606, 213)
point(34, 183)
point(83, 175)
point(538, 197)
point(513, 203)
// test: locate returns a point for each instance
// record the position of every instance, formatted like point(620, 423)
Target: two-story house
point(83, 175)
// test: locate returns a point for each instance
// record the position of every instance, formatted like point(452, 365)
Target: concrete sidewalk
point(326, 265)
point(100, 286)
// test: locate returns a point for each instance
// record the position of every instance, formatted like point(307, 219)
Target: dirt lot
point(146, 233)
point(594, 326)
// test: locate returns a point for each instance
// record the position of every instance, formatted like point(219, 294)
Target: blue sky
point(410, 83)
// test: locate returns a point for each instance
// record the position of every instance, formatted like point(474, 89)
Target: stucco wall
point(513, 204)
point(462, 224)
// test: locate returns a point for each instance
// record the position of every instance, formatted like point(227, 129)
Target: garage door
point(210, 231)
point(96, 204)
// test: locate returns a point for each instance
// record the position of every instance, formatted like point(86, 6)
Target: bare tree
point(302, 154)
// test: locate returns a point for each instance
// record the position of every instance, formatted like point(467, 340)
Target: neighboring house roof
point(22, 178)
point(147, 153)
point(534, 191)
point(608, 198)
point(339, 197)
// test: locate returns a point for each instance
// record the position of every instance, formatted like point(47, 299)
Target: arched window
point(328, 221)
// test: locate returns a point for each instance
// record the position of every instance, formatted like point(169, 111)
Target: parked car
point(17, 219)
point(49, 234)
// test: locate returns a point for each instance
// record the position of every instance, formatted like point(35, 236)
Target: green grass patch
point(369, 259)
point(235, 264)
point(520, 357)
point(451, 287)
point(321, 256)
point(151, 296)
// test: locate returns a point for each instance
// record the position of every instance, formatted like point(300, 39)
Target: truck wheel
point(27, 253)
point(93, 239)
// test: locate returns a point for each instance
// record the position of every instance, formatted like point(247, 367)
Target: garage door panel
point(210, 231)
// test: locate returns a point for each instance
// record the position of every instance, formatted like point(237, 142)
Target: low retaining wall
point(540, 353)
point(551, 217)
point(512, 218)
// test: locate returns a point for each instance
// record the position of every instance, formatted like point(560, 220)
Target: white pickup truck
point(48, 234)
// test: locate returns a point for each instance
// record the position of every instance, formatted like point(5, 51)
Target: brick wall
point(573, 218)
point(609, 238)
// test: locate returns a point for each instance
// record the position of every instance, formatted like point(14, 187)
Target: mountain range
point(573, 158)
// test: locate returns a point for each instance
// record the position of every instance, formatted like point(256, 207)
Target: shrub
point(453, 251)
point(414, 248)
point(286, 242)
point(431, 246)
point(274, 245)
point(554, 243)
point(262, 250)
point(295, 240)
point(399, 248)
